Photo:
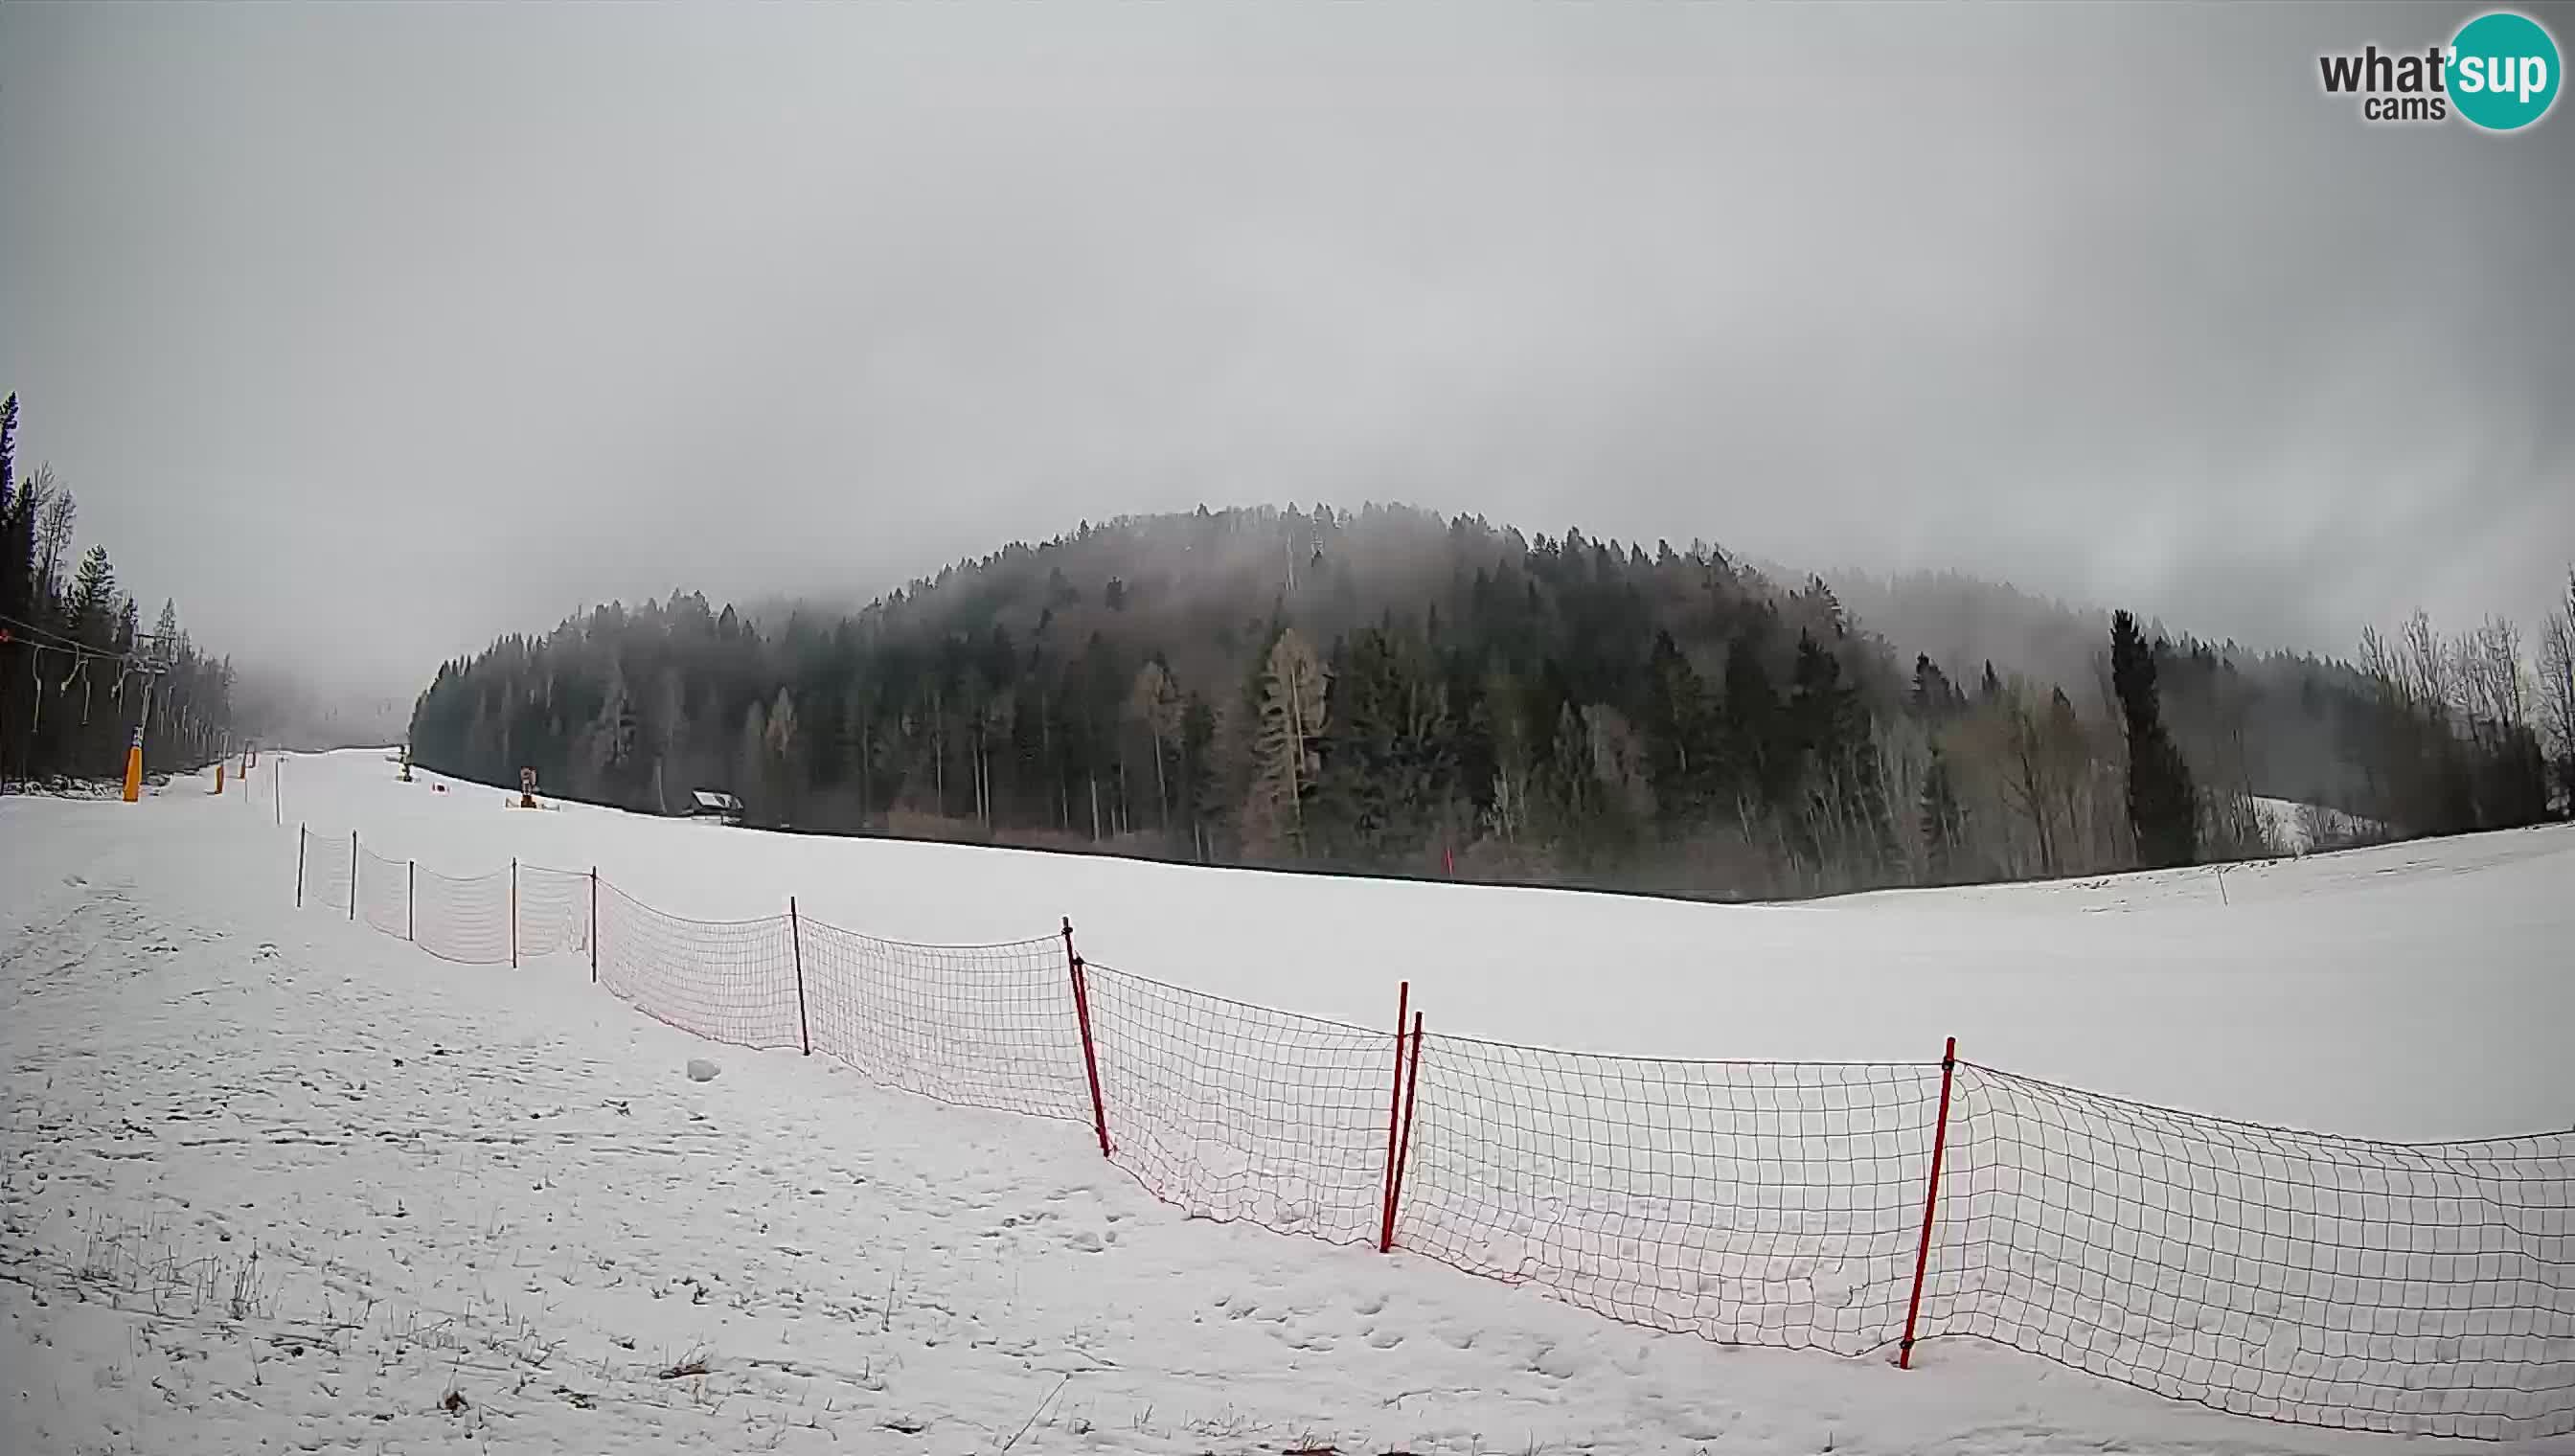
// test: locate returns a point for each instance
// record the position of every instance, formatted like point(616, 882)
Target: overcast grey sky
point(371, 332)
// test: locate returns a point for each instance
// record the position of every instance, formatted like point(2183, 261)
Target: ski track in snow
point(270, 1180)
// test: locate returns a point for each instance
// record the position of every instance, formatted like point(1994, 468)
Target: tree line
point(1386, 690)
point(74, 661)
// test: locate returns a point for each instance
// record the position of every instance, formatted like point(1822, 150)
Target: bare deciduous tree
point(55, 509)
point(783, 742)
point(2425, 662)
point(2485, 674)
point(2016, 739)
point(2557, 688)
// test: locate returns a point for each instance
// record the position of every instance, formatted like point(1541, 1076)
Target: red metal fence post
point(299, 866)
point(795, 939)
point(1403, 1151)
point(1394, 1121)
point(353, 875)
point(1930, 1201)
point(1090, 1054)
point(594, 925)
point(514, 912)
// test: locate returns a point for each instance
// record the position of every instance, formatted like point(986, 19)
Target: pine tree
point(2162, 807)
point(16, 535)
point(1193, 788)
point(1389, 756)
point(612, 743)
point(93, 604)
point(1291, 724)
point(1568, 790)
point(1679, 732)
point(1934, 697)
point(1944, 821)
point(1751, 715)
point(1155, 703)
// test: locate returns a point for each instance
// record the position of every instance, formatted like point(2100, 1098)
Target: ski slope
point(272, 1177)
point(2411, 991)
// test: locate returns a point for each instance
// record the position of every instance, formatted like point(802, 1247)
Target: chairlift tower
point(150, 658)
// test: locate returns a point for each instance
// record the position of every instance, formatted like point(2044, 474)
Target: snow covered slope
point(2410, 991)
point(272, 1178)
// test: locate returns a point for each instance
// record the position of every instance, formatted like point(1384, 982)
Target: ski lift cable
point(44, 639)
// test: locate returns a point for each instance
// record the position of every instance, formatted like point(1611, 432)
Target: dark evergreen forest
point(74, 659)
point(1391, 690)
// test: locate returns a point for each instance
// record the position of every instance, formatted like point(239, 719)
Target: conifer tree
point(1944, 821)
point(2162, 808)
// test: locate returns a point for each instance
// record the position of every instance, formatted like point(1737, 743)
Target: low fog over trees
point(1391, 691)
point(285, 710)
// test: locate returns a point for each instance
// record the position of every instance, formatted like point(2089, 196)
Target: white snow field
point(275, 1179)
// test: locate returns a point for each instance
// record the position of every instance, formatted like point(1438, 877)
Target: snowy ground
point(2410, 991)
point(274, 1179)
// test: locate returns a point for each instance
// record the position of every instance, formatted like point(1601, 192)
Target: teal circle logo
point(2503, 71)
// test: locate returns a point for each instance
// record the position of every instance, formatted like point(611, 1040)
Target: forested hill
point(78, 674)
point(1390, 690)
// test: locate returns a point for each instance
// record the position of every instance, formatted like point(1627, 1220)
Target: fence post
point(594, 925)
point(1930, 1201)
point(1082, 1014)
point(299, 866)
point(1403, 1152)
point(277, 791)
point(1394, 1121)
point(795, 939)
point(514, 912)
point(411, 900)
point(353, 875)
